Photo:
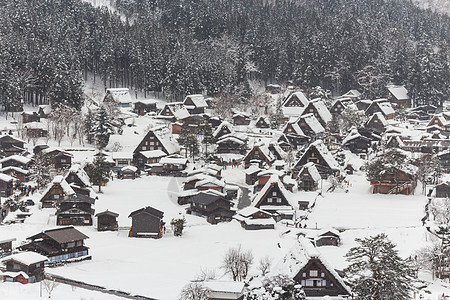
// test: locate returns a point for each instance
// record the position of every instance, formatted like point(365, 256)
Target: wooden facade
point(11, 145)
point(396, 182)
point(24, 267)
point(214, 208)
point(318, 281)
point(59, 245)
point(107, 221)
point(75, 210)
point(147, 222)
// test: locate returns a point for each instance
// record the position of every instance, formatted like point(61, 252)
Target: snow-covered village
point(207, 150)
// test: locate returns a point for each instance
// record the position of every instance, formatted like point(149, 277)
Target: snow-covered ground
point(160, 268)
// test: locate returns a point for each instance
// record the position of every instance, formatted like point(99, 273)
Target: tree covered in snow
point(42, 170)
point(178, 226)
point(390, 162)
point(277, 287)
point(195, 291)
point(102, 127)
point(351, 118)
point(377, 272)
point(189, 140)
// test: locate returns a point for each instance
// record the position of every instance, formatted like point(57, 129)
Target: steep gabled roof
point(198, 100)
point(26, 258)
point(298, 258)
point(219, 128)
point(313, 123)
point(399, 92)
point(323, 151)
point(322, 110)
point(274, 180)
point(312, 170)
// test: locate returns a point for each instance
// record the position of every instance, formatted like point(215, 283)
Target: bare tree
point(433, 258)
point(194, 291)
point(440, 209)
point(49, 285)
point(206, 274)
point(264, 265)
point(237, 262)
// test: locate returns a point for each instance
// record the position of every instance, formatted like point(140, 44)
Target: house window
point(55, 196)
point(278, 200)
point(309, 282)
point(322, 274)
point(269, 200)
point(304, 275)
point(63, 160)
point(274, 193)
point(313, 273)
point(321, 283)
point(144, 148)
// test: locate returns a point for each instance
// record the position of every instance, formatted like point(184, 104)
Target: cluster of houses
point(278, 162)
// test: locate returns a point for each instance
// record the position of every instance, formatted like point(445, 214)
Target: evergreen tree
point(188, 139)
point(208, 138)
point(42, 170)
point(98, 171)
point(102, 127)
point(377, 272)
point(178, 226)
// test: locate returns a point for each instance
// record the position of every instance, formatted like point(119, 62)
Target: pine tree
point(188, 139)
point(377, 272)
point(42, 170)
point(102, 127)
point(88, 123)
point(178, 226)
point(98, 171)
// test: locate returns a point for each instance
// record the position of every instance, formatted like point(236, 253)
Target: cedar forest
point(179, 47)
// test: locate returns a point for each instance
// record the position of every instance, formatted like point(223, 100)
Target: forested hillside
point(181, 46)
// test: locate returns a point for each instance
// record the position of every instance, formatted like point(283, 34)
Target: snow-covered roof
point(313, 123)
point(223, 124)
point(15, 169)
point(274, 180)
point(129, 168)
point(173, 160)
point(46, 109)
point(181, 113)
point(322, 149)
point(198, 100)
point(252, 169)
point(292, 110)
point(399, 92)
point(297, 258)
point(300, 95)
point(153, 153)
point(234, 287)
point(250, 210)
point(312, 170)
point(386, 108)
point(123, 155)
point(380, 117)
point(352, 94)
point(22, 159)
point(165, 137)
point(120, 95)
point(6, 178)
point(210, 181)
point(353, 134)
point(26, 258)
point(322, 110)
point(81, 173)
point(59, 179)
point(230, 138)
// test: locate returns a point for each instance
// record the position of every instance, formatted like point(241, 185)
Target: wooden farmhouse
point(355, 142)
point(118, 96)
point(6, 246)
point(309, 125)
point(444, 160)
point(174, 111)
point(77, 176)
point(275, 199)
point(252, 218)
point(232, 143)
point(212, 206)
point(251, 174)
point(443, 190)
point(318, 154)
point(241, 119)
point(327, 237)
point(262, 122)
point(172, 165)
point(319, 110)
point(11, 145)
point(307, 267)
point(59, 245)
point(147, 222)
point(396, 181)
point(308, 177)
point(142, 107)
point(261, 154)
point(75, 209)
point(158, 138)
point(223, 129)
point(107, 221)
point(24, 267)
point(381, 106)
point(295, 104)
point(28, 117)
point(6, 185)
point(398, 95)
point(15, 160)
point(195, 104)
point(377, 123)
point(58, 189)
point(59, 158)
